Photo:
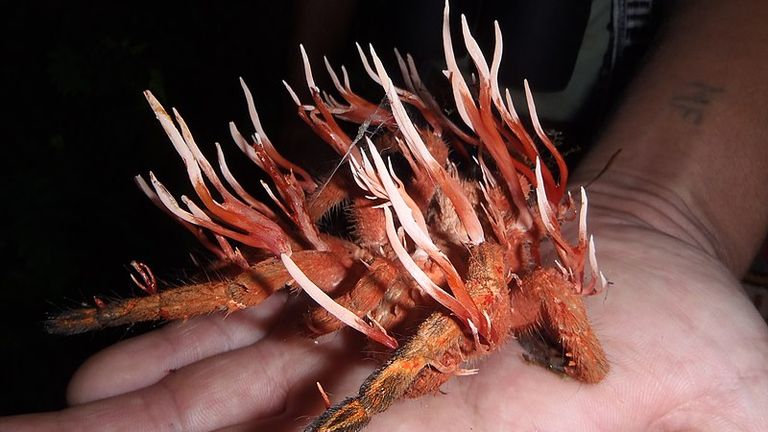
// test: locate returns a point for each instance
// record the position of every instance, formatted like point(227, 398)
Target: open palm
point(685, 345)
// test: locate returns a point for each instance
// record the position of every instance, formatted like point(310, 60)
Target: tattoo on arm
point(692, 101)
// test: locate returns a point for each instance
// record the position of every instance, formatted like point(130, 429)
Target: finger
point(482, 402)
point(229, 388)
point(304, 403)
point(144, 360)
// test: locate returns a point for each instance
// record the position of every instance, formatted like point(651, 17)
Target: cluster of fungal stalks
point(426, 237)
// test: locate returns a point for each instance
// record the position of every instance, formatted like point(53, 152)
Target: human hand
point(687, 350)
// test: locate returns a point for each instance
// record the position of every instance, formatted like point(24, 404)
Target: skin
point(676, 219)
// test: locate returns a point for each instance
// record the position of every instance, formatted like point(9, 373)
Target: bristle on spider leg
point(566, 317)
point(173, 304)
point(247, 289)
point(420, 366)
point(324, 395)
point(383, 387)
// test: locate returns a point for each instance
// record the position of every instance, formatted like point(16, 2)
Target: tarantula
point(468, 250)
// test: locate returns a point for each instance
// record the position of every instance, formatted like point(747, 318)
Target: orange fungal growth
point(440, 268)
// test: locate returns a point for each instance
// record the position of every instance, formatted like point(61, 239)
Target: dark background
point(76, 129)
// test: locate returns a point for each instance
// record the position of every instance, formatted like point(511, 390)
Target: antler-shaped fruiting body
point(426, 238)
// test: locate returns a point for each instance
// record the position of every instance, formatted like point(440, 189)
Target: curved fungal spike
point(386, 182)
point(561, 165)
point(498, 49)
point(448, 184)
point(547, 216)
point(366, 177)
point(583, 218)
point(201, 160)
point(409, 97)
point(460, 90)
point(334, 78)
point(345, 77)
point(319, 117)
point(435, 108)
point(414, 75)
point(592, 257)
point(426, 284)
point(295, 97)
point(358, 109)
point(254, 115)
point(507, 112)
point(271, 238)
point(197, 231)
point(367, 66)
point(293, 198)
point(193, 170)
point(232, 211)
point(511, 106)
point(343, 314)
point(404, 71)
point(274, 198)
point(474, 51)
point(244, 145)
point(549, 220)
point(238, 188)
point(307, 69)
point(273, 153)
point(230, 254)
point(598, 282)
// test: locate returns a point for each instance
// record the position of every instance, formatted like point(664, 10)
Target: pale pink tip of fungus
point(343, 314)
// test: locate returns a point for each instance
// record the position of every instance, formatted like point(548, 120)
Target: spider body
point(467, 250)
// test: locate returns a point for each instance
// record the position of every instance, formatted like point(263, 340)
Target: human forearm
point(693, 133)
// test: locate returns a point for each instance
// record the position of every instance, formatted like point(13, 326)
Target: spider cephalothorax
point(467, 250)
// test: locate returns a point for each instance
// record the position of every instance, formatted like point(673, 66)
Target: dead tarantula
point(468, 251)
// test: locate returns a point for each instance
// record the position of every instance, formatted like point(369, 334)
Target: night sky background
point(76, 129)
